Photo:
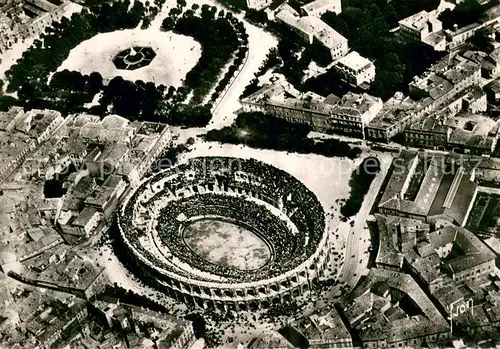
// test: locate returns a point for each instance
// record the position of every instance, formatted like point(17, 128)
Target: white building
point(332, 40)
point(356, 68)
point(146, 152)
point(18, 27)
point(355, 111)
point(347, 115)
point(312, 28)
point(43, 123)
point(425, 27)
point(420, 25)
point(87, 220)
point(258, 4)
point(319, 7)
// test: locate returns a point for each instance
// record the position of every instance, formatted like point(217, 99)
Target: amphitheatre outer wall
point(231, 294)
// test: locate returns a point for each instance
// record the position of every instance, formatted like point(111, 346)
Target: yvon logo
point(459, 307)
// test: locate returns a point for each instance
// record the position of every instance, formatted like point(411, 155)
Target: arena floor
point(176, 55)
point(226, 244)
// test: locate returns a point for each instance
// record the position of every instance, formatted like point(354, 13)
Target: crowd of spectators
point(222, 187)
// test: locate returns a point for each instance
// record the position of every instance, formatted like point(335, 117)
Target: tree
point(256, 17)
point(210, 32)
point(187, 115)
point(465, 13)
point(95, 83)
point(68, 80)
point(168, 24)
point(27, 92)
point(6, 102)
point(482, 40)
point(360, 182)
point(174, 12)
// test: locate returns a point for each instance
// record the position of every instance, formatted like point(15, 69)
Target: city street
point(358, 240)
point(352, 269)
point(259, 44)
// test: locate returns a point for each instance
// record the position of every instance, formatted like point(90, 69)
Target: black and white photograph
point(249, 174)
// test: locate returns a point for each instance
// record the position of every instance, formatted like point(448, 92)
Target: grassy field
point(484, 213)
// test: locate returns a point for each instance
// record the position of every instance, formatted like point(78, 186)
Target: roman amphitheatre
point(226, 233)
point(175, 55)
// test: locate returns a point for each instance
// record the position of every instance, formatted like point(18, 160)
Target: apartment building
point(312, 28)
point(424, 27)
point(319, 7)
point(258, 4)
point(29, 18)
point(349, 114)
point(356, 69)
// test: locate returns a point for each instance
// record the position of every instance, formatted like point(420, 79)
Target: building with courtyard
point(429, 188)
point(474, 134)
point(443, 87)
point(389, 310)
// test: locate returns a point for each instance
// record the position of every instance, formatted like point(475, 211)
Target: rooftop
point(434, 85)
point(440, 78)
point(493, 86)
point(454, 197)
point(331, 99)
point(465, 251)
point(265, 93)
point(151, 128)
point(7, 118)
point(354, 61)
point(114, 121)
point(427, 322)
point(72, 271)
point(418, 20)
point(393, 111)
point(444, 190)
point(320, 4)
point(356, 104)
point(390, 228)
point(85, 216)
point(397, 180)
point(300, 104)
point(270, 339)
point(41, 119)
point(103, 193)
point(472, 131)
point(55, 318)
point(324, 327)
point(168, 328)
point(329, 37)
point(313, 26)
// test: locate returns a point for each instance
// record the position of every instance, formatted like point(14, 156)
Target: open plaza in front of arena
point(326, 179)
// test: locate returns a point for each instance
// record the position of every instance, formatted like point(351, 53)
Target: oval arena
point(226, 233)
